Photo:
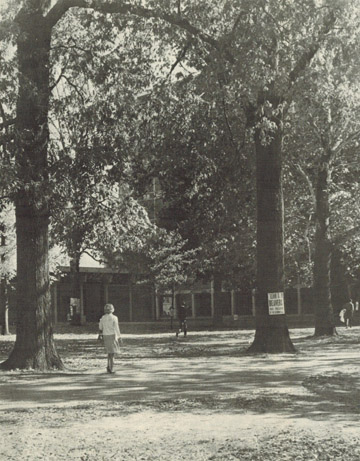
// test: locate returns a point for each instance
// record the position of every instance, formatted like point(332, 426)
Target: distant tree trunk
point(339, 287)
point(4, 306)
point(34, 345)
point(272, 334)
point(324, 318)
point(217, 309)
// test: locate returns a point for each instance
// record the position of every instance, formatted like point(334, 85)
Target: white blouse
point(109, 325)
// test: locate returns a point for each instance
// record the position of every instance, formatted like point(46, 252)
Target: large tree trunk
point(4, 300)
point(340, 288)
point(324, 318)
point(272, 333)
point(34, 346)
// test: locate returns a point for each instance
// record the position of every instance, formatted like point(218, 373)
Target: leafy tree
point(197, 150)
point(264, 54)
point(284, 52)
point(327, 139)
point(274, 43)
point(35, 22)
point(205, 182)
point(274, 63)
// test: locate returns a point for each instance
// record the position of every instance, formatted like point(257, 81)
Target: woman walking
point(109, 332)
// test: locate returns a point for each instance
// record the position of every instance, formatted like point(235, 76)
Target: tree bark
point(340, 288)
point(34, 345)
point(4, 302)
point(4, 306)
point(272, 335)
point(324, 318)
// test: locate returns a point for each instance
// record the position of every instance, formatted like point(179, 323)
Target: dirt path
point(199, 398)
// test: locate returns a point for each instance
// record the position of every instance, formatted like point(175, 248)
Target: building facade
point(138, 302)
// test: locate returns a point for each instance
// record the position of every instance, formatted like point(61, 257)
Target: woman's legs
point(111, 361)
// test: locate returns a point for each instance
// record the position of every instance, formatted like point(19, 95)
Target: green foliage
point(135, 98)
point(169, 262)
point(8, 93)
point(160, 257)
point(325, 128)
point(98, 67)
point(200, 162)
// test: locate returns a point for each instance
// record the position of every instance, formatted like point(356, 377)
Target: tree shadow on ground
point(204, 372)
point(201, 385)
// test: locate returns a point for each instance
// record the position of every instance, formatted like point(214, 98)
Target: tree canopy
point(206, 85)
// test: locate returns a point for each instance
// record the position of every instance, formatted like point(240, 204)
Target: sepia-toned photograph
point(179, 230)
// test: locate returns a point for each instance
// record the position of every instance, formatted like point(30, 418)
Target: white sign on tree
point(276, 303)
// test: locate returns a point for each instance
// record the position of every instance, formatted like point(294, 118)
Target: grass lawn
point(194, 398)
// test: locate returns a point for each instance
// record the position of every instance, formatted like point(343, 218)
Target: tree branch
point(307, 56)
point(313, 199)
point(118, 6)
point(227, 123)
point(75, 87)
point(348, 235)
point(58, 79)
point(342, 142)
point(180, 57)
point(100, 261)
point(309, 183)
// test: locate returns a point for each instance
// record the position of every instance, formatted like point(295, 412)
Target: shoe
point(108, 369)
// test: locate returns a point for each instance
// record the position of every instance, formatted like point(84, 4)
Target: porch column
point(130, 301)
point(157, 306)
point(212, 293)
point(232, 303)
point(82, 316)
point(253, 302)
point(193, 310)
point(106, 293)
